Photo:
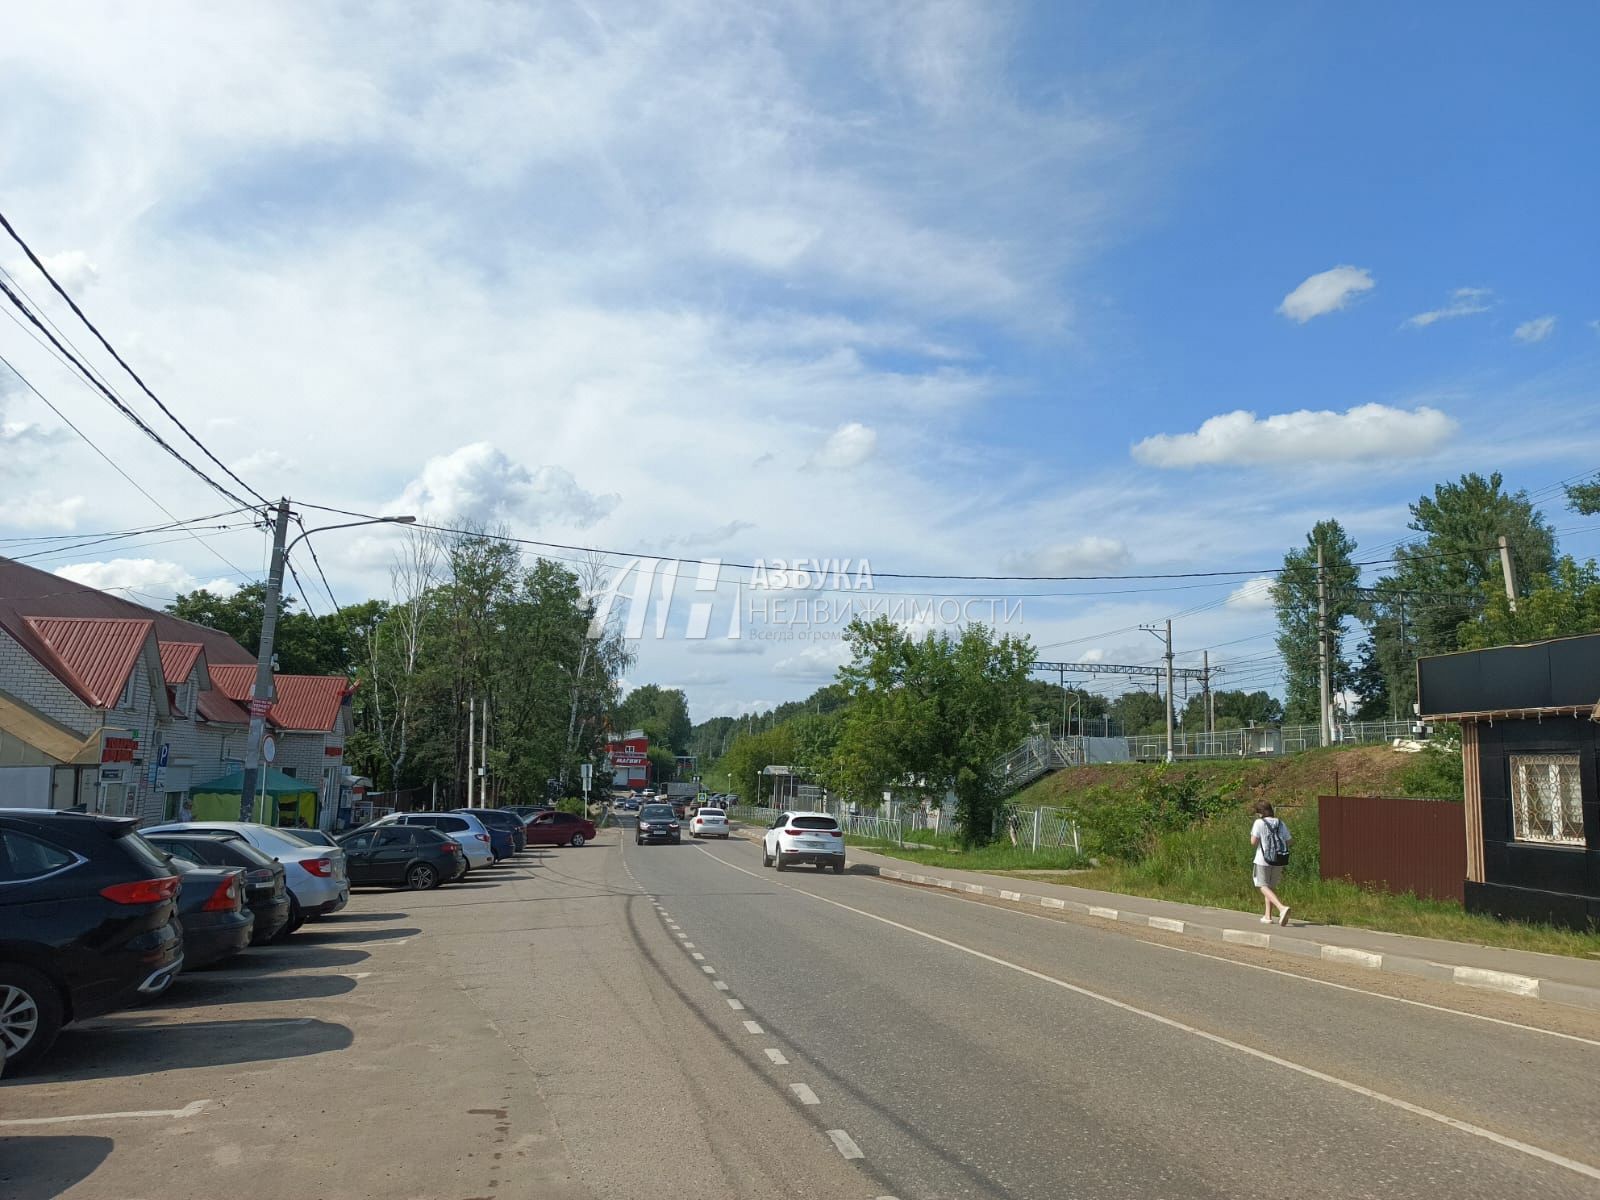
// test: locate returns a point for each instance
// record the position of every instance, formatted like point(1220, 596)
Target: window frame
point(1523, 831)
point(75, 859)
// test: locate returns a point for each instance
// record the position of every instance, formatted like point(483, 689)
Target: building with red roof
point(120, 708)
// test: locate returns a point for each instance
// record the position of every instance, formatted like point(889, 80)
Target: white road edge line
point(843, 1142)
point(192, 1109)
point(804, 1094)
point(1328, 983)
point(708, 968)
point(1499, 1139)
point(778, 1060)
point(736, 1005)
point(698, 957)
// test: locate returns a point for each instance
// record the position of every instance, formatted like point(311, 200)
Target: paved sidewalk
point(1550, 977)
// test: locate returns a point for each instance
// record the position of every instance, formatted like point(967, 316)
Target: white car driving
point(804, 837)
point(709, 822)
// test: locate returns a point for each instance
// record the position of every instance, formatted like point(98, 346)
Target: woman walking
point(1271, 839)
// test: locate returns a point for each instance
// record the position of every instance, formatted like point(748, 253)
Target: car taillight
point(322, 868)
point(261, 875)
point(452, 848)
point(797, 832)
point(837, 832)
point(143, 891)
point(224, 899)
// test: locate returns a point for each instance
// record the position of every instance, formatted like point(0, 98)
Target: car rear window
point(813, 823)
point(146, 856)
point(710, 812)
point(275, 841)
point(454, 824)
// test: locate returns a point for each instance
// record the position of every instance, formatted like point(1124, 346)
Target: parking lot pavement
point(457, 1043)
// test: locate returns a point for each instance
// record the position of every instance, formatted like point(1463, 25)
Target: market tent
point(282, 799)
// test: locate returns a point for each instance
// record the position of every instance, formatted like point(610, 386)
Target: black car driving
point(658, 823)
point(264, 889)
point(88, 923)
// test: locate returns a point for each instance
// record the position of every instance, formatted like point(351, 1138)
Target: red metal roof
point(94, 655)
point(211, 705)
point(234, 680)
point(309, 701)
point(177, 660)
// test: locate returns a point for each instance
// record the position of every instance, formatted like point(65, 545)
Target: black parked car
point(88, 922)
point(503, 818)
point(264, 891)
point(412, 856)
point(211, 909)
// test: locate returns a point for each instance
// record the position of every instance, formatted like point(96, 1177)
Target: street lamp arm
point(349, 525)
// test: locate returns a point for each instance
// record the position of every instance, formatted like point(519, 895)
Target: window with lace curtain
point(1547, 798)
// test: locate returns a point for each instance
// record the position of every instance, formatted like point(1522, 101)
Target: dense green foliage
point(1295, 600)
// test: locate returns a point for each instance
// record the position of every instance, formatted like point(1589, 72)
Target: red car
point(560, 829)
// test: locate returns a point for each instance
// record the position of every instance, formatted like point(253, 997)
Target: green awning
point(281, 799)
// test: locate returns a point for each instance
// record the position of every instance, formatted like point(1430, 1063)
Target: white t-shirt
point(1258, 831)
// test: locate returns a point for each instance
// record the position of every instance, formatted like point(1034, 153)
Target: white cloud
point(1087, 555)
point(847, 446)
point(819, 661)
point(1464, 302)
point(1363, 433)
point(1253, 595)
point(146, 579)
point(1535, 330)
point(480, 482)
point(40, 510)
point(264, 462)
point(1325, 292)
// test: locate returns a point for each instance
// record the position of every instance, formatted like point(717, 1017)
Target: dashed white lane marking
point(752, 1027)
point(719, 985)
point(804, 1094)
point(1489, 1135)
point(708, 969)
point(192, 1109)
point(736, 1005)
point(686, 945)
point(845, 1144)
point(698, 957)
point(778, 1060)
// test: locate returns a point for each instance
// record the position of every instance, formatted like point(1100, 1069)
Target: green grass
point(1209, 864)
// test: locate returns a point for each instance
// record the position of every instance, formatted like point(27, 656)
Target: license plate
point(817, 845)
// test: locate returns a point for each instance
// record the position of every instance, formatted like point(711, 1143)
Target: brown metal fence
point(1417, 846)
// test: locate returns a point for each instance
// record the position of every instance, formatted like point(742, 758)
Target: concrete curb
point(1526, 986)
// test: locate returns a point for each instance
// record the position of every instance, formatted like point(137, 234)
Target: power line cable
point(111, 462)
point(114, 400)
point(112, 350)
point(326, 586)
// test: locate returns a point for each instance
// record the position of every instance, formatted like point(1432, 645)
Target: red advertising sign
point(260, 708)
point(629, 758)
point(118, 749)
point(333, 751)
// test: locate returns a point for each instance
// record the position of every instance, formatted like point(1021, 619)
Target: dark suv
point(658, 823)
point(87, 923)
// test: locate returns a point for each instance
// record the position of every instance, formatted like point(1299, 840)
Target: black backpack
point(1273, 846)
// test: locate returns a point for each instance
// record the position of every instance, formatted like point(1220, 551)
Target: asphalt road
point(676, 1021)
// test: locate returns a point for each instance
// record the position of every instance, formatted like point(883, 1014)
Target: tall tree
point(663, 713)
point(933, 713)
point(1294, 597)
point(1440, 579)
point(1562, 605)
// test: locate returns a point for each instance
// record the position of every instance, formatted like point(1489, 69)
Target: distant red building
point(630, 759)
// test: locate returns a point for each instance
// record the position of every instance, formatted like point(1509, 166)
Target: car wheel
point(30, 1014)
point(838, 868)
point(577, 840)
point(777, 861)
point(296, 918)
point(421, 878)
point(638, 841)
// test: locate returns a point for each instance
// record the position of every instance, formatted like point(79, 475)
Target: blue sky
point(915, 282)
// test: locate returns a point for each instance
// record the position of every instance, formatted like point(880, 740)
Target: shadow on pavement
point(350, 917)
point(112, 1048)
point(313, 936)
point(38, 1168)
point(298, 953)
point(196, 991)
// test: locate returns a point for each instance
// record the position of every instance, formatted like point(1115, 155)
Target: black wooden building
point(1529, 744)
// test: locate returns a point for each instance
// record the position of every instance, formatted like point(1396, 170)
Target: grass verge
point(998, 857)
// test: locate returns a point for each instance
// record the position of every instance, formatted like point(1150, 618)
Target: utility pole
point(1169, 689)
point(472, 745)
point(1508, 571)
point(1325, 698)
point(1205, 690)
point(483, 757)
point(261, 696)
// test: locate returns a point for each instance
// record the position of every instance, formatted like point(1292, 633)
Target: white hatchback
point(709, 822)
point(804, 837)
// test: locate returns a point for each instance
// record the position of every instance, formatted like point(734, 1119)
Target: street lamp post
point(261, 694)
